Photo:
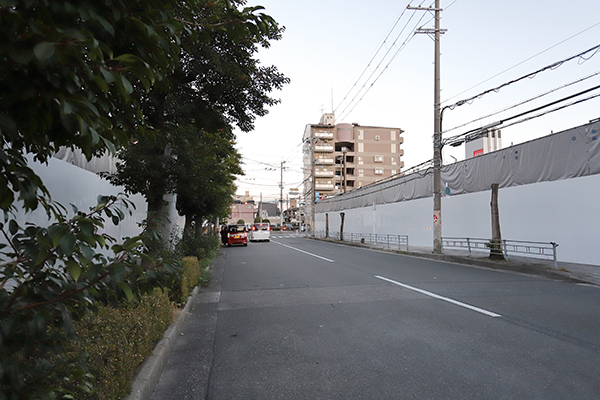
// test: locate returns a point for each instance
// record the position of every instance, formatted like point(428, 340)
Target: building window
point(378, 159)
point(394, 172)
point(378, 171)
point(393, 160)
point(361, 172)
point(377, 137)
point(393, 147)
point(360, 135)
point(393, 136)
point(361, 147)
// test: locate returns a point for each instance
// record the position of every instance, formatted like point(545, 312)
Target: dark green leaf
point(67, 244)
point(74, 269)
point(43, 51)
point(126, 289)
point(117, 272)
point(13, 227)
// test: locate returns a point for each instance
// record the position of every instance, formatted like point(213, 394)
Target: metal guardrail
point(376, 239)
point(535, 249)
point(539, 249)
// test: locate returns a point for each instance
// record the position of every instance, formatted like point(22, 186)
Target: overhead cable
point(373, 58)
point(458, 139)
point(552, 66)
point(523, 102)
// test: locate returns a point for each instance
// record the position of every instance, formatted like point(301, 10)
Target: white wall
point(69, 184)
point(564, 211)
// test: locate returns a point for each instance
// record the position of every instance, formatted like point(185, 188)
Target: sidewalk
point(582, 273)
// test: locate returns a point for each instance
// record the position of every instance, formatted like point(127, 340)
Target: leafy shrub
point(201, 246)
point(116, 341)
point(52, 276)
point(189, 277)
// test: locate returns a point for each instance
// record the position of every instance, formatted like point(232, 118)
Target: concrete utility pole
point(344, 150)
point(437, 130)
point(281, 196)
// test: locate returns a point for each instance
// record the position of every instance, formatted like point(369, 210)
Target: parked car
point(236, 234)
point(260, 231)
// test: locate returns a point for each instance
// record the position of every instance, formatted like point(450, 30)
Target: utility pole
point(281, 196)
point(437, 131)
point(260, 209)
point(344, 150)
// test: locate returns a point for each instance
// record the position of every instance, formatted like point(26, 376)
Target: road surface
point(296, 318)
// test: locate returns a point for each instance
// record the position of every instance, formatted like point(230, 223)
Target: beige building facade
point(343, 157)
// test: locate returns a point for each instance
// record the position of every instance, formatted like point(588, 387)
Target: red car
point(236, 234)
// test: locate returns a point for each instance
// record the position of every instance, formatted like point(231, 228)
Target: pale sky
point(328, 44)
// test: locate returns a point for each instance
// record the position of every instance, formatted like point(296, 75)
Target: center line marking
point(437, 296)
point(302, 251)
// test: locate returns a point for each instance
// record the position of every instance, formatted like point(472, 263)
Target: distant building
point(268, 211)
point(294, 216)
point(482, 143)
point(242, 208)
point(342, 157)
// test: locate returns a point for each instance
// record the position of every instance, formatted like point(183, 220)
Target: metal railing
point(376, 239)
point(536, 249)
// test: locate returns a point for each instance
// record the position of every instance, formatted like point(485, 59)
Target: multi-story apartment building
point(343, 157)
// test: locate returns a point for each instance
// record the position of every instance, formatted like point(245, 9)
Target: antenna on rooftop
point(332, 100)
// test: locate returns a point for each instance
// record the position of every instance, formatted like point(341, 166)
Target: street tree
point(217, 85)
point(67, 77)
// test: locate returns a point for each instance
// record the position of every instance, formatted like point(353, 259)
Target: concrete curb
point(147, 378)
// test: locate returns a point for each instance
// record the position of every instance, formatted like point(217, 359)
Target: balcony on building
point(325, 135)
point(324, 186)
point(324, 173)
point(324, 148)
point(324, 161)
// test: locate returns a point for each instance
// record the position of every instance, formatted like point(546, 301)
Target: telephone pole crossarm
point(424, 8)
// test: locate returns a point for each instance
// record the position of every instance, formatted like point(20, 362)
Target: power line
point(404, 44)
point(373, 58)
point(351, 103)
point(523, 102)
point(530, 75)
point(459, 139)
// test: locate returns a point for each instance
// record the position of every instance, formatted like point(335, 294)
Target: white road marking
point(302, 251)
point(437, 296)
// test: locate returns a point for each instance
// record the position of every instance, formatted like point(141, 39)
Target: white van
point(260, 231)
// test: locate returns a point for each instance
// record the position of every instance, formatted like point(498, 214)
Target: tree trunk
point(188, 227)
point(326, 225)
point(496, 252)
point(342, 226)
point(198, 226)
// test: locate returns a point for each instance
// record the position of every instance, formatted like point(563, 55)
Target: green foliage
point(240, 222)
point(216, 85)
point(266, 221)
point(201, 246)
point(51, 276)
point(189, 277)
point(117, 340)
point(71, 75)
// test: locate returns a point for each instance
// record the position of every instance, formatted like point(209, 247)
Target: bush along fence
point(75, 322)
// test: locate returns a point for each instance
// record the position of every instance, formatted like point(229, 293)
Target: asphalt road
point(302, 319)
